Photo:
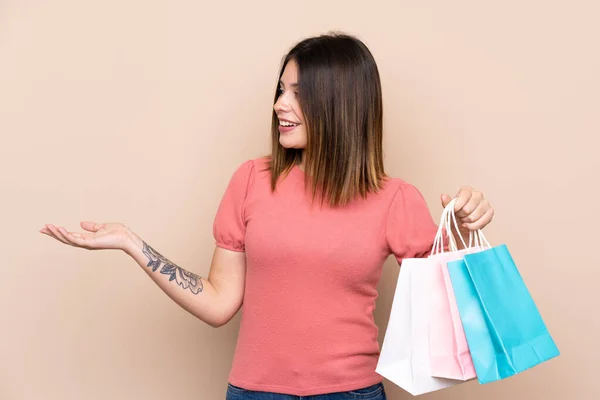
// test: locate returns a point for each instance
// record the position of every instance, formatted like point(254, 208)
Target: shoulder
point(403, 197)
point(250, 171)
point(398, 187)
point(249, 167)
point(253, 165)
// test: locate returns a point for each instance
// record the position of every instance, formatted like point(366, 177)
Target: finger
point(477, 213)
point(445, 200)
point(91, 226)
point(481, 222)
point(65, 235)
point(462, 198)
point(52, 234)
point(45, 230)
point(57, 235)
point(78, 239)
point(470, 206)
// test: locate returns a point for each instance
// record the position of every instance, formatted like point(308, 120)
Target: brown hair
point(340, 97)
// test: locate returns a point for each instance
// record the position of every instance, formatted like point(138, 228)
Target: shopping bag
point(404, 356)
point(449, 351)
point(504, 329)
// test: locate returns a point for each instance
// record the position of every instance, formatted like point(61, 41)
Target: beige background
point(138, 112)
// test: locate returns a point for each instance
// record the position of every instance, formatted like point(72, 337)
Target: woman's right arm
point(214, 300)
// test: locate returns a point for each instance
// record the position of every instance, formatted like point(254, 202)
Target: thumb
point(90, 226)
point(445, 200)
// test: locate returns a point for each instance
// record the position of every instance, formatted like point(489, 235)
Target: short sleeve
point(410, 229)
point(229, 227)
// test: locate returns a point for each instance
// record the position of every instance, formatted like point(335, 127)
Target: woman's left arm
point(472, 210)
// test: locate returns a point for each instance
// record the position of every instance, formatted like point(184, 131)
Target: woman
point(301, 235)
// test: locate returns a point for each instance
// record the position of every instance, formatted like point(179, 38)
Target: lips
point(286, 126)
point(288, 123)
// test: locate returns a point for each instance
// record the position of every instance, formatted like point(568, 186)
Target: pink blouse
point(307, 323)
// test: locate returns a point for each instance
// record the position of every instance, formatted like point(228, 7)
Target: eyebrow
point(294, 85)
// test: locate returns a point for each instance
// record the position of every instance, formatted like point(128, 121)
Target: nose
point(281, 105)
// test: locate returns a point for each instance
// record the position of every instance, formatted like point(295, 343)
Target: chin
point(291, 143)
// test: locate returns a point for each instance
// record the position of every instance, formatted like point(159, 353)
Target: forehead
point(290, 73)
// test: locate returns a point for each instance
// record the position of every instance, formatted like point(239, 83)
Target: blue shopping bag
point(504, 329)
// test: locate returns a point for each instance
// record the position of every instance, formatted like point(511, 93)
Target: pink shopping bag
point(448, 349)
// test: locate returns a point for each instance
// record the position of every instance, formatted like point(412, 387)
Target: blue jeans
point(374, 392)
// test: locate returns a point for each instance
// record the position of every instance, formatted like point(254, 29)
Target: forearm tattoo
point(185, 279)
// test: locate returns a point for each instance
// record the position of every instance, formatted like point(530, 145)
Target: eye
point(280, 91)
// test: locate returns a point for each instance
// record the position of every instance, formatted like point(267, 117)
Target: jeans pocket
point(373, 392)
point(236, 393)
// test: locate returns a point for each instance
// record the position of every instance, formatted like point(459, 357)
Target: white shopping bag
point(404, 357)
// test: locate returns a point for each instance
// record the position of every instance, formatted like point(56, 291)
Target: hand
point(472, 211)
point(100, 236)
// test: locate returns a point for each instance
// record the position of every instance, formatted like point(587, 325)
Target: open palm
point(97, 237)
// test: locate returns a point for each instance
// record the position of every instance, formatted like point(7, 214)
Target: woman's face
point(292, 130)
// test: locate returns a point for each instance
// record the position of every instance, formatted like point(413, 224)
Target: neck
point(303, 162)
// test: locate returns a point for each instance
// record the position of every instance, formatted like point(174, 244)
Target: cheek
point(298, 112)
point(304, 135)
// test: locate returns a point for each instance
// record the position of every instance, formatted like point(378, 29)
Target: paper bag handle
point(448, 216)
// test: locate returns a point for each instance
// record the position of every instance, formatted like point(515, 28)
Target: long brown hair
point(340, 97)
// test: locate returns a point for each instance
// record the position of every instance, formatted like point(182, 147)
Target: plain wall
point(139, 112)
